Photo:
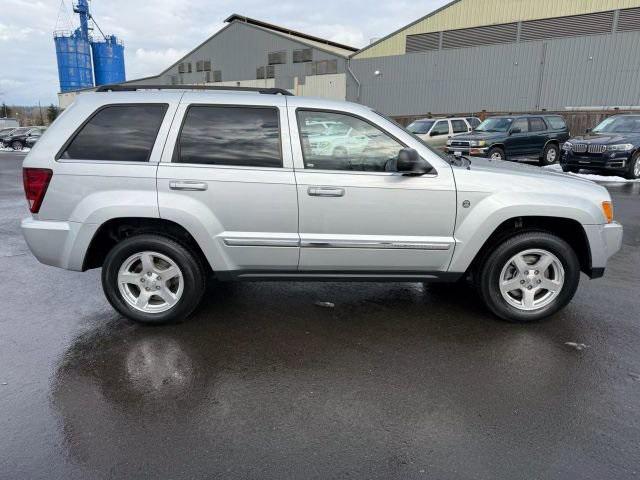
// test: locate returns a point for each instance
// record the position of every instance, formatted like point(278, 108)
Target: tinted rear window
point(557, 123)
point(536, 124)
point(122, 133)
point(242, 136)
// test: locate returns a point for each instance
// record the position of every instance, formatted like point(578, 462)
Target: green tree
point(5, 111)
point(52, 112)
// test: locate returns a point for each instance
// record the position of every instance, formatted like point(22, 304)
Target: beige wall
point(476, 13)
point(325, 86)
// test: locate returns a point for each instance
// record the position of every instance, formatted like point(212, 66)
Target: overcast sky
point(158, 32)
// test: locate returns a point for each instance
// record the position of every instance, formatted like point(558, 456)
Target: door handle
point(325, 192)
point(187, 185)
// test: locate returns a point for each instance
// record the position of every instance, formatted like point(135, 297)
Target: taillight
point(36, 181)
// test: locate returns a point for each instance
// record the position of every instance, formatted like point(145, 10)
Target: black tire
point(488, 277)
point(550, 150)
point(496, 151)
point(17, 145)
point(567, 169)
point(193, 275)
point(631, 172)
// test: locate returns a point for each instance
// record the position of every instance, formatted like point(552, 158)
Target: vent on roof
point(629, 20)
point(260, 73)
point(488, 35)
point(217, 75)
point(203, 66)
point(271, 71)
point(423, 42)
point(302, 55)
point(322, 67)
point(277, 58)
point(184, 67)
point(591, 24)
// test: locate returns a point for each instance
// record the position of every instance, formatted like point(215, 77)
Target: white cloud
point(152, 62)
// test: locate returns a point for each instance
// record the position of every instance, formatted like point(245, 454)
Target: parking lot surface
point(394, 381)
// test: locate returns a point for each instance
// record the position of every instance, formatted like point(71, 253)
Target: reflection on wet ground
point(396, 381)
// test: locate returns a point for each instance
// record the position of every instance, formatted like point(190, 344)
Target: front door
point(518, 141)
point(229, 180)
point(356, 215)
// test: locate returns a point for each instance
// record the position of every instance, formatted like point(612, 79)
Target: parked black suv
point(18, 138)
point(510, 137)
point(613, 146)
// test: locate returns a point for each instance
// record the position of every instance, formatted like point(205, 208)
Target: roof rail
point(133, 88)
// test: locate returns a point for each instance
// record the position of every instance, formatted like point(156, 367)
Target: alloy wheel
point(150, 282)
point(531, 279)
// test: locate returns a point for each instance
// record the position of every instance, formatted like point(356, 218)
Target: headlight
point(477, 143)
point(622, 147)
point(567, 146)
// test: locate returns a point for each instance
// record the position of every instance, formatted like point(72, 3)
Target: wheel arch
point(117, 229)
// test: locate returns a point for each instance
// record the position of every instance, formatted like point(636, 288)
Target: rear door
point(439, 134)
point(226, 174)
point(538, 136)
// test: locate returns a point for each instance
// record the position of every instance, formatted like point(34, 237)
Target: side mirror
point(515, 130)
point(433, 133)
point(410, 163)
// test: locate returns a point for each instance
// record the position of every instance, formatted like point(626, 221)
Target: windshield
point(626, 124)
point(495, 125)
point(420, 126)
point(6, 131)
point(20, 131)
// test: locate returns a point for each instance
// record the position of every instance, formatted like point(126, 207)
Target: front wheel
point(633, 172)
point(153, 279)
point(529, 277)
point(496, 153)
point(550, 155)
point(16, 145)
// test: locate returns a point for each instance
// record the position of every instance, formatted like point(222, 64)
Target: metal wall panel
point(596, 23)
point(475, 13)
point(487, 35)
point(592, 70)
point(240, 50)
point(629, 20)
point(423, 42)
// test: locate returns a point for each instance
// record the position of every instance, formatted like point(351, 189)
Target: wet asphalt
point(395, 381)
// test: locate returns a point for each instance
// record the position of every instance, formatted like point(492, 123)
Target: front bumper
point(604, 242)
point(472, 151)
point(610, 161)
point(59, 244)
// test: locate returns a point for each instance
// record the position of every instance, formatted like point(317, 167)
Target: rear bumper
point(59, 244)
point(604, 242)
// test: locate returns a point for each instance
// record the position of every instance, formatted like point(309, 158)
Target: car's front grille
point(459, 143)
point(579, 147)
point(597, 148)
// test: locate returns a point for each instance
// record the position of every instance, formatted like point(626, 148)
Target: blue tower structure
point(108, 61)
point(75, 50)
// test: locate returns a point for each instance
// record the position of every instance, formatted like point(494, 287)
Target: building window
point(173, 79)
point(242, 136)
point(217, 75)
point(271, 71)
point(184, 67)
point(131, 128)
point(277, 58)
point(302, 55)
point(203, 66)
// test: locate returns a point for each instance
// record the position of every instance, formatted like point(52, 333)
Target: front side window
point(236, 136)
point(622, 124)
point(440, 128)
point(473, 121)
point(537, 124)
point(349, 144)
point(420, 127)
point(521, 124)
point(495, 125)
point(121, 133)
point(459, 126)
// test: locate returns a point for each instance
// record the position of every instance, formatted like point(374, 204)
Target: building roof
point(334, 47)
point(460, 14)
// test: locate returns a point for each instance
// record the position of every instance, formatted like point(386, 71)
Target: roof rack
point(133, 88)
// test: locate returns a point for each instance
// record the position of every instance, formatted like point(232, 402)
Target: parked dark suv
point(513, 136)
point(613, 146)
point(18, 138)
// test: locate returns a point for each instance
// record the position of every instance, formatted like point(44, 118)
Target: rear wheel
point(17, 145)
point(550, 155)
point(633, 171)
point(153, 279)
point(529, 277)
point(496, 153)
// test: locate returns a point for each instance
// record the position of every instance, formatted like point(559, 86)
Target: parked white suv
point(165, 189)
point(436, 131)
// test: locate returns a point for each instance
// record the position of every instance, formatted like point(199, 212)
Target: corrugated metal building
point(502, 56)
point(249, 52)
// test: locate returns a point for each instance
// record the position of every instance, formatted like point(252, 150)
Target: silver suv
point(167, 188)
